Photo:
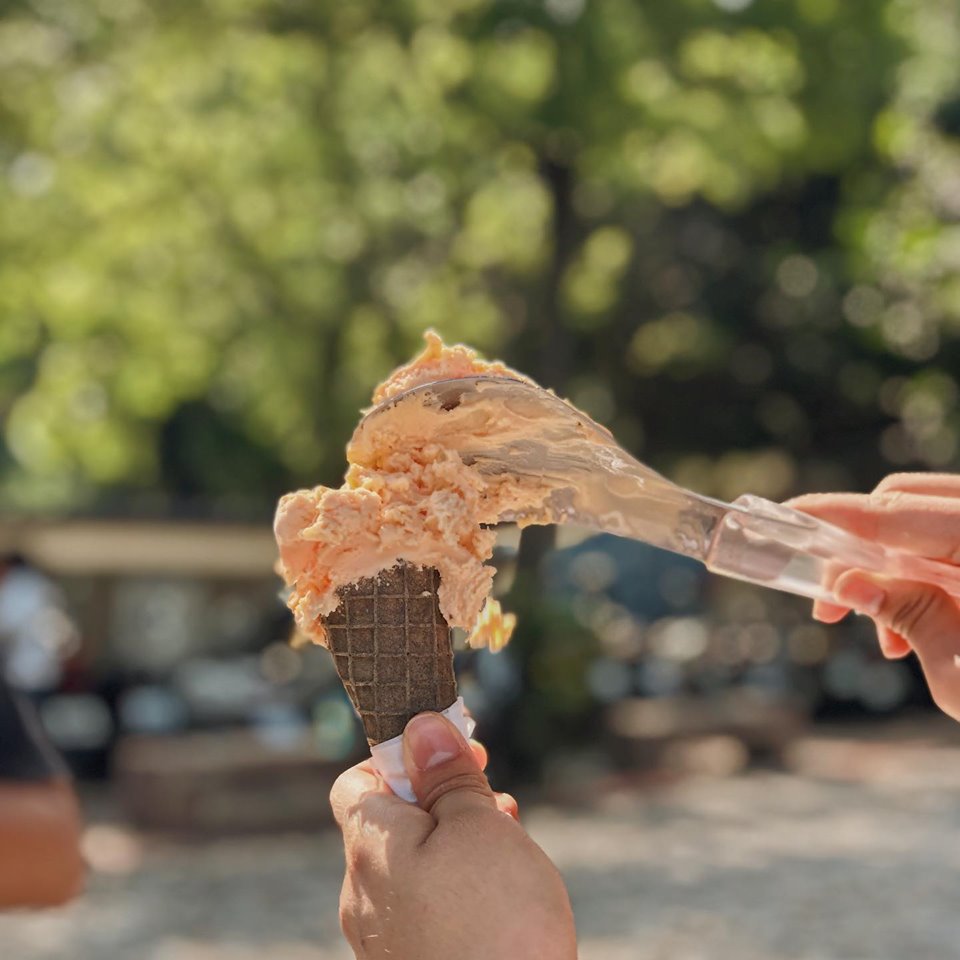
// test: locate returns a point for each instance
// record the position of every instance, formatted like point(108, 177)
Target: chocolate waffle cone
point(392, 648)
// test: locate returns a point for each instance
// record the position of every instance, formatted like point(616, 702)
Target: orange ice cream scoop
point(406, 497)
point(440, 362)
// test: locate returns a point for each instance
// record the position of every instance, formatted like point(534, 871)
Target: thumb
point(926, 617)
point(443, 769)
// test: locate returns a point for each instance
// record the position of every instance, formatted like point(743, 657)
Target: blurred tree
point(243, 214)
point(903, 228)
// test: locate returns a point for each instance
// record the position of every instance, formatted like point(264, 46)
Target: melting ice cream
point(406, 496)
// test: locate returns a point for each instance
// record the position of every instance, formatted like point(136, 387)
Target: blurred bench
point(651, 732)
point(220, 782)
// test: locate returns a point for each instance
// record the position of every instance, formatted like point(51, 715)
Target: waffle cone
point(392, 648)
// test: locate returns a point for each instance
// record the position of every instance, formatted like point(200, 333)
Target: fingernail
point(431, 741)
point(861, 594)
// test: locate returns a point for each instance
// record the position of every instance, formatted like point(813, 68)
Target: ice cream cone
point(392, 648)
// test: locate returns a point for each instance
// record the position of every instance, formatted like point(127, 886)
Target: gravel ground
point(852, 853)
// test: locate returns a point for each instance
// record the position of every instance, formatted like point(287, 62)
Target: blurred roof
point(137, 547)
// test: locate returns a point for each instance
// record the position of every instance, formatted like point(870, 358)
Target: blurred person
point(40, 862)
point(36, 634)
point(457, 876)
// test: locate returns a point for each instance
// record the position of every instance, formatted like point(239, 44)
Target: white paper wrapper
point(388, 756)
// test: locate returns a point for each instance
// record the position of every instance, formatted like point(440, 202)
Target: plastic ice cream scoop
point(546, 462)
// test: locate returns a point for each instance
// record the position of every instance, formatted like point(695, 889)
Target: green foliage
point(223, 222)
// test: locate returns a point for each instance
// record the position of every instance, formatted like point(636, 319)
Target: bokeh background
point(727, 229)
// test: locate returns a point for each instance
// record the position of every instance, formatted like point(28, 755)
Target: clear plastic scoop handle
point(774, 546)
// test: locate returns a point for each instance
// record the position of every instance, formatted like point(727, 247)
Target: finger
point(350, 787)
point(443, 770)
point(480, 752)
point(926, 484)
point(892, 645)
point(508, 805)
point(824, 611)
point(924, 525)
point(365, 809)
point(927, 618)
point(828, 612)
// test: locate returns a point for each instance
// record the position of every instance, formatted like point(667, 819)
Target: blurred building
point(183, 669)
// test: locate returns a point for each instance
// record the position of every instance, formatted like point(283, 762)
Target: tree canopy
point(727, 229)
